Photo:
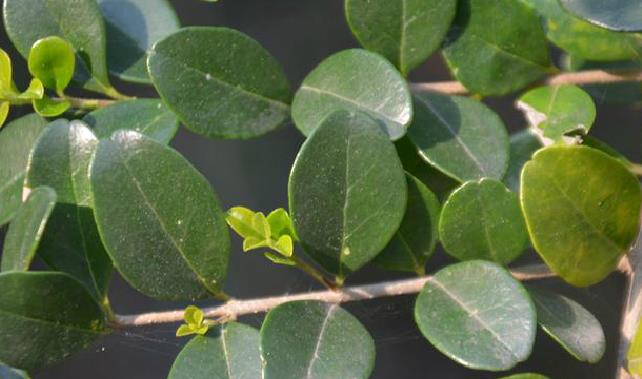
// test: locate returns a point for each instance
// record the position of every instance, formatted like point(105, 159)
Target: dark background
point(254, 173)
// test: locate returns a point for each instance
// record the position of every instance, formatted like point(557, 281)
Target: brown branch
point(580, 77)
point(235, 308)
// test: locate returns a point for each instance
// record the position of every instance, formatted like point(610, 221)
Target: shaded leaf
point(523, 145)
point(53, 61)
point(7, 372)
point(620, 15)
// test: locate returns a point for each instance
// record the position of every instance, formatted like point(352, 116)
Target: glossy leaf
point(620, 15)
point(26, 230)
point(581, 234)
point(314, 340)
point(6, 74)
point(347, 192)
point(159, 218)
point(496, 232)
point(461, 137)
point(259, 232)
point(48, 107)
point(77, 21)
point(132, 27)
point(404, 31)
point(70, 242)
point(523, 145)
point(355, 80)
point(146, 116)
point(45, 317)
point(16, 140)
point(583, 39)
point(557, 111)
point(240, 94)
point(487, 50)
point(476, 313)
point(231, 351)
point(415, 241)
point(570, 324)
point(53, 61)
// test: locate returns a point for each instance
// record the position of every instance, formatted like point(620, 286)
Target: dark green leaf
point(45, 317)
point(522, 146)
point(496, 46)
point(77, 21)
point(16, 140)
point(314, 340)
point(575, 328)
point(26, 229)
point(240, 94)
point(620, 15)
point(347, 192)
point(482, 220)
point(404, 31)
point(133, 26)
point(580, 233)
point(159, 218)
point(461, 137)
point(53, 61)
point(230, 351)
point(147, 116)
point(416, 238)
point(476, 313)
point(556, 111)
point(355, 80)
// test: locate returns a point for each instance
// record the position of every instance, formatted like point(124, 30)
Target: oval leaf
point(347, 192)
point(240, 94)
point(415, 241)
point(575, 328)
point(461, 137)
point(53, 61)
point(582, 209)
point(497, 231)
point(26, 230)
point(620, 15)
point(45, 317)
point(404, 31)
point(146, 116)
point(476, 313)
point(355, 80)
point(159, 218)
point(231, 351)
point(314, 340)
point(486, 50)
point(132, 27)
point(523, 145)
point(16, 140)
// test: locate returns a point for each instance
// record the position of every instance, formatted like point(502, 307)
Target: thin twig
point(235, 308)
point(580, 77)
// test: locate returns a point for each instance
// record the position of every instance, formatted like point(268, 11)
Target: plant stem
point(235, 308)
point(88, 104)
point(314, 273)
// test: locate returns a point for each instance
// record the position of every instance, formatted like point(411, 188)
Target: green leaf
point(556, 111)
point(25, 231)
point(496, 232)
point(4, 112)
point(477, 314)
point(354, 80)
point(147, 116)
point(280, 224)
point(77, 21)
point(314, 340)
point(274, 232)
point(6, 76)
point(53, 61)
point(406, 32)
point(132, 27)
point(486, 49)
point(634, 355)
point(240, 94)
point(583, 39)
point(570, 324)
point(7, 372)
point(48, 107)
point(230, 351)
point(194, 322)
point(45, 317)
point(347, 192)
point(619, 15)
point(16, 140)
point(523, 145)
point(159, 218)
point(580, 234)
point(526, 376)
point(416, 238)
point(35, 91)
point(461, 137)
point(70, 243)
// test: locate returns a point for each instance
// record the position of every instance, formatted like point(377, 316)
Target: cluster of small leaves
point(383, 175)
